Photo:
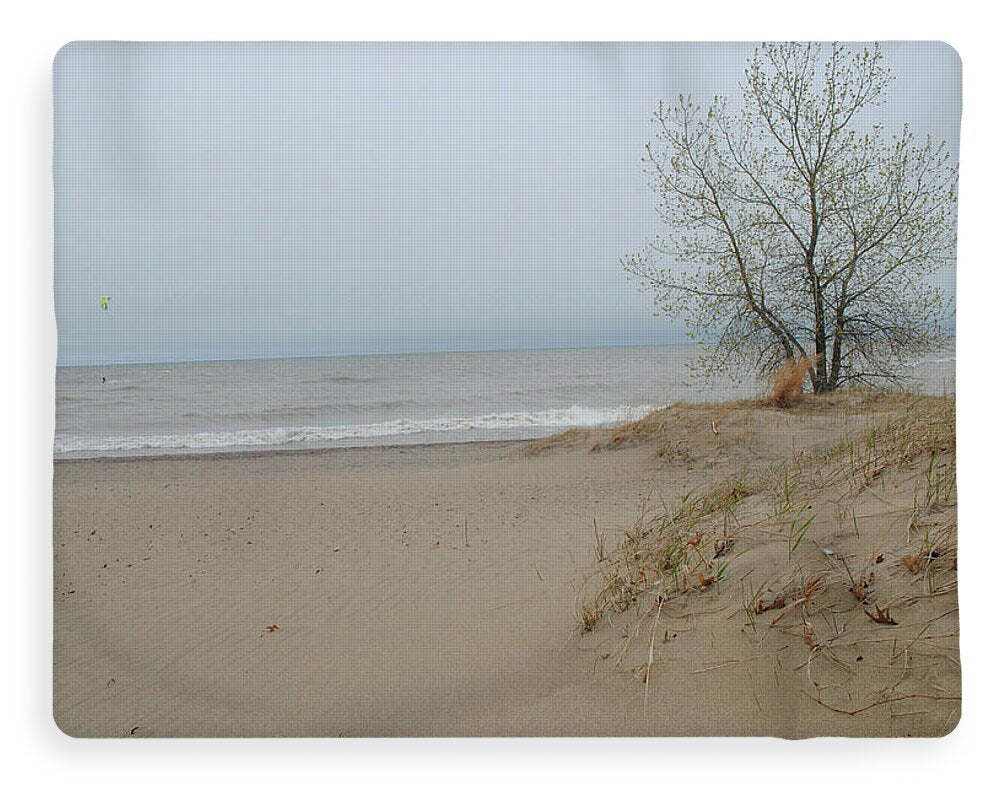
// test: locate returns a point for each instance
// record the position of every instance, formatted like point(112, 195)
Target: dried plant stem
point(850, 713)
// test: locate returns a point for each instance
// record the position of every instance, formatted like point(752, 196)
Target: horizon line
point(385, 354)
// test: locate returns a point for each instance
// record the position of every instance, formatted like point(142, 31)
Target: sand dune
point(438, 590)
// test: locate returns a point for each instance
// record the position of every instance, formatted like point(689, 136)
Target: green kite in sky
point(105, 302)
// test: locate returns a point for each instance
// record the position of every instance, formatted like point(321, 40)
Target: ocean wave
point(574, 416)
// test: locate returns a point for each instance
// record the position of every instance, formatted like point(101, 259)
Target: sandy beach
point(456, 589)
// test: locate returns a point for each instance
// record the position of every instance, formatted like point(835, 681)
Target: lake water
point(217, 406)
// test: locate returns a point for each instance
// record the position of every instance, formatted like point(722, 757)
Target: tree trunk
point(835, 361)
point(821, 383)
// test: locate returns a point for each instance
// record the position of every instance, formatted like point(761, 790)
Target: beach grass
point(867, 525)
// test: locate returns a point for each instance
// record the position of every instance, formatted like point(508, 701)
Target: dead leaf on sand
point(777, 604)
point(882, 616)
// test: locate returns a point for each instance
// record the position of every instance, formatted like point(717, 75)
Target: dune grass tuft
point(787, 380)
point(553, 442)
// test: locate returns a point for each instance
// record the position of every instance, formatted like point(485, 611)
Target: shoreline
point(247, 453)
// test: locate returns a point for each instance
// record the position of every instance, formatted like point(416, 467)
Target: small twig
point(649, 659)
point(721, 665)
point(789, 608)
point(878, 702)
point(598, 544)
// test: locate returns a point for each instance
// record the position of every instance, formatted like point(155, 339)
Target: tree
point(791, 231)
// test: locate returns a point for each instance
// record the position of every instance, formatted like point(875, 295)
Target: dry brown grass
point(910, 428)
point(699, 544)
point(817, 547)
point(686, 549)
point(565, 439)
point(671, 430)
point(786, 382)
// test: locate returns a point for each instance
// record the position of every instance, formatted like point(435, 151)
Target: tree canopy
point(793, 228)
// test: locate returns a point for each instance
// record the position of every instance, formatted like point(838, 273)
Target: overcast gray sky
point(255, 200)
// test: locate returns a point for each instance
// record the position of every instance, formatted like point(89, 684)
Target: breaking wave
point(574, 416)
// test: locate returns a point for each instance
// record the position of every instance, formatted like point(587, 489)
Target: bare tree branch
point(792, 232)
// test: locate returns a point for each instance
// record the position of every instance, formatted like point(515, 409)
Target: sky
point(291, 199)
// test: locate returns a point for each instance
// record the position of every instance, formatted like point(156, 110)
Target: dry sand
point(436, 591)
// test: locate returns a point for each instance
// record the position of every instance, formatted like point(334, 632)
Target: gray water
point(218, 406)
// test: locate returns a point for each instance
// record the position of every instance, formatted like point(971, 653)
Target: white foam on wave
point(574, 416)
